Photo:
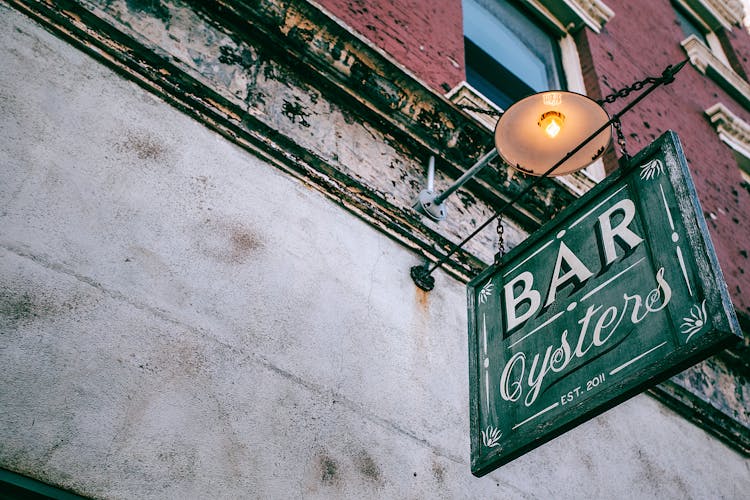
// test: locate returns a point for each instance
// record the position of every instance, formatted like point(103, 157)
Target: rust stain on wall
point(423, 299)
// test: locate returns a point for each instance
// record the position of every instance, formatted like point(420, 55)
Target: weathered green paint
point(619, 291)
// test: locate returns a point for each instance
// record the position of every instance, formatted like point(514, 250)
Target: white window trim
point(571, 62)
point(715, 46)
point(568, 16)
point(706, 61)
point(733, 130)
point(464, 94)
point(716, 14)
point(708, 27)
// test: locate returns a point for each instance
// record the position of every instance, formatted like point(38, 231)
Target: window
point(745, 170)
point(700, 22)
point(688, 24)
point(693, 25)
point(735, 132)
point(744, 163)
point(508, 56)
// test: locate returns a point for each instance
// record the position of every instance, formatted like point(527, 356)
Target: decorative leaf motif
point(491, 437)
point(695, 322)
point(486, 292)
point(652, 169)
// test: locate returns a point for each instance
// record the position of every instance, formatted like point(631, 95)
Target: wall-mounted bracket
point(422, 277)
point(425, 202)
point(433, 205)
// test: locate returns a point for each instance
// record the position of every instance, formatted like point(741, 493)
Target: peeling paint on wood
point(267, 118)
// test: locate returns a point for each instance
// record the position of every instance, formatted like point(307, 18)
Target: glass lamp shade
point(538, 131)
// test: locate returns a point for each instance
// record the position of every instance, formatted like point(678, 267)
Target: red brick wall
point(739, 39)
point(641, 40)
point(425, 37)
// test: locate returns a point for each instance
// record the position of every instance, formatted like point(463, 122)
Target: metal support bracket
point(425, 202)
point(433, 205)
point(422, 277)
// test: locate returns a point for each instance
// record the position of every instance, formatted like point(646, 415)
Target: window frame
point(710, 58)
point(708, 32)
point(514, 24)
point(733, 131)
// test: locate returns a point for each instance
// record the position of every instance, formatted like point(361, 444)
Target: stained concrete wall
point(179, 319)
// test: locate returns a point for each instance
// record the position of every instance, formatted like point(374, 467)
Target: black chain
point(621, 139)
point(666, 77)
point(624, 92)
point(500, 239)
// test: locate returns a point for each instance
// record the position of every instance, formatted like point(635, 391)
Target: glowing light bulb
point(551, 122)
point(553, 128)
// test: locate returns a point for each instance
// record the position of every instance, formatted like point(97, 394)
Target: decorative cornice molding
point(571, 15)
point(707, 63)
point(731, 129)
point(593, 12)
point(718, 13)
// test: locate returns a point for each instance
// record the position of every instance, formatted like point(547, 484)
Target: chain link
point(624, 92)
point(621, 139)
point(500, 239)
point(666, 77)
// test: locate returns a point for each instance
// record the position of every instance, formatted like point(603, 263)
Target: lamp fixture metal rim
point(529, 146)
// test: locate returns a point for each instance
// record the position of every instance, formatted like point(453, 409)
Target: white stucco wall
point(180, 319)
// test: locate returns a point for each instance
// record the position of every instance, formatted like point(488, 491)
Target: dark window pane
point(492, 79)
point(507, 55)
point(689, 27)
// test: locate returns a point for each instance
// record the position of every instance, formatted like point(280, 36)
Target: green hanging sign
point(621, 290)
